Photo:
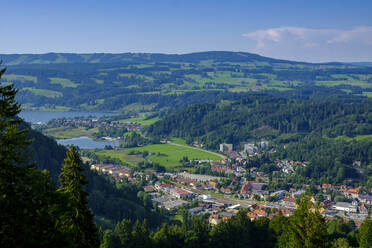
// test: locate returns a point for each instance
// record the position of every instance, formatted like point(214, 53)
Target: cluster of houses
point(289, 166)
point(358, 207)
point(249, 149)
point(170, 197)
point(92, 122)
point(114, 171)
point(265, 202)
point(254, 211)
point(224, 167)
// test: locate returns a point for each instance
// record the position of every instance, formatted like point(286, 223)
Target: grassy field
point(20, 78)
point(99, 81)
point(367, 93)
point(28, 106)
point(63, 81)
point(170, 155)
point(179, 141)
point(137, 107)
point(357, 138)
point(123, 155)
point(141, 120)
point(67, 132)
point(46, 93)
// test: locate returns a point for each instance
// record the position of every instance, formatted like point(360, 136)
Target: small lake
point(83, 142)
point(87, 143)
point(45, 116)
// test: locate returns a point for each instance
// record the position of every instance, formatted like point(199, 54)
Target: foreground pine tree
point(365, 234)
point(307, 229)
point(78, 219)
point(29, 203)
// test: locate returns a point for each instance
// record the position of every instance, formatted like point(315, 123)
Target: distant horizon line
point(186, 53)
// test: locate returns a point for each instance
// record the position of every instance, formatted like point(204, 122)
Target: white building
point(226, 147)
point(264, 144)
point(250, 148)
point(345, 207)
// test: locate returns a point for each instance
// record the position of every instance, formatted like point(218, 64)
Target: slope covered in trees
point(331, 135)
point(265, 117)
point(24, 152)
point(32, 210)
point(108, 199)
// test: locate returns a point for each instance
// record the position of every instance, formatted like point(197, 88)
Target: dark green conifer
point(28, 201)
point(78, 219)
point(365, 234)
point(307, 229)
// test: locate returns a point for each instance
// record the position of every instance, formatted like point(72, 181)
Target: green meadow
point(63, 81)
point(357, 138)
point(169, 155)
point(20, 78)
point(141, 120)
point(123, 155)
point(68, 132)
point(43, 92)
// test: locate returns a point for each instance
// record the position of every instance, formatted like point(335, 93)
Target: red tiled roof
point(260, 212)
point(251, 215)
point(181, 191)
point(287, 199)
point(225, 189)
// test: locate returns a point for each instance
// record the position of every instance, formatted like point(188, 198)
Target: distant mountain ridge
point(367, 64)
point(217, 56)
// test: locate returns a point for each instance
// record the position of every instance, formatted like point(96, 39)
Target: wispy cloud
point(361, 34)
point(303, 42)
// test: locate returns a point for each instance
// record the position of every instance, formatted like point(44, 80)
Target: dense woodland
point(330, 135)
point(106, 197)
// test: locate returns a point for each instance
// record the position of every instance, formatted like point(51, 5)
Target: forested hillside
point(156, 81)
point(258, 117)
point(57, 212)
point(107, 199)
point(331, 135)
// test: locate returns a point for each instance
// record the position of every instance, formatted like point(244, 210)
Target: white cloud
point(361, 34)
point(314, 44)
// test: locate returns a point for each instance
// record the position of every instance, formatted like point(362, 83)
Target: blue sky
point(306, 30)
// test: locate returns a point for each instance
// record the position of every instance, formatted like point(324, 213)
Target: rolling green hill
point(60, 58)
point(158, 81)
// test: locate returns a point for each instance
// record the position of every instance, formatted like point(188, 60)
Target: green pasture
point(179, 141)
point(19, 78)
point(367, 93)
point(43, 92)
point(68, 132)
point(123, 155)
point(357, 138)
point(64, 82)
point(141, 120)
point(170, 155)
